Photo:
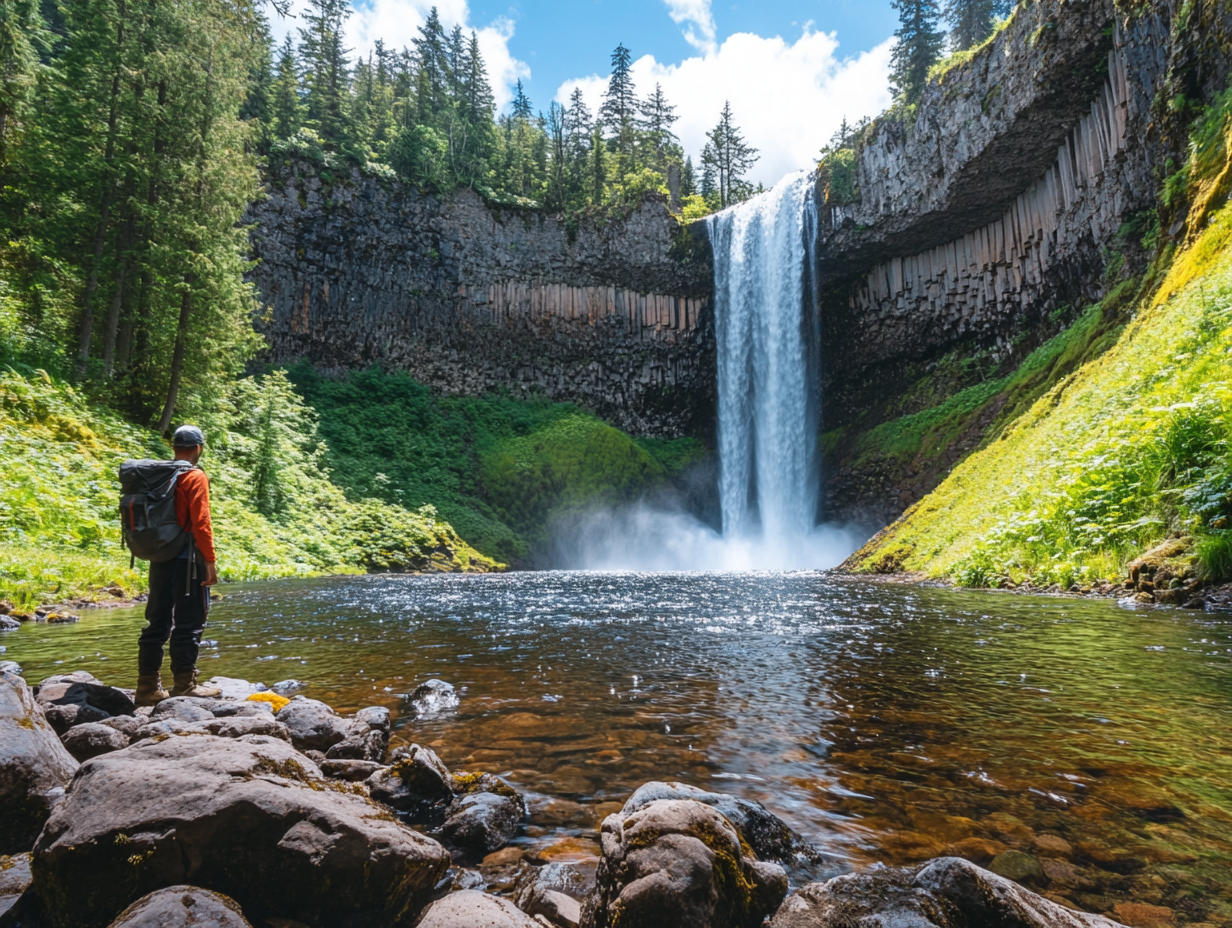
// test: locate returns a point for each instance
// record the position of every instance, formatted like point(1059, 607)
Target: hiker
point(179, 543)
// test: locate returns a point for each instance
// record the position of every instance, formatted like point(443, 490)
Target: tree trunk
point(123, 261)
point(86, 331)
point(177, 360)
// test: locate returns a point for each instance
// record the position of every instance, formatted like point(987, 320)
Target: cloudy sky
point(792, 69)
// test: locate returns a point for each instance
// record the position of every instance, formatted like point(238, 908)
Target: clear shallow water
point(885, 723)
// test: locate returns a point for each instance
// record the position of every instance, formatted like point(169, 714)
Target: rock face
point(471, 297)
point(248, 817)
point(182, 907)
point(34, 766)
point(14, 879)
point(473, 909)
point(678, 863)
point(945, 893)
point(416, 784)
point(79, 698)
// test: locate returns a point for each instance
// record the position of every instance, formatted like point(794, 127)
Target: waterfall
point(768, 353)
point(767, 347)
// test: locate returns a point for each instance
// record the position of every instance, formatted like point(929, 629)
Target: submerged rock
point(473, 909)
point(288, 687)
point(678, 863)
point(182, 907)
point(249, 817)
point(34, 766)
point(432, 698)
point(945, 893)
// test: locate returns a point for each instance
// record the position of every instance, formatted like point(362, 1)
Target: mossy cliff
point(1126, 445)
point(1054, 158)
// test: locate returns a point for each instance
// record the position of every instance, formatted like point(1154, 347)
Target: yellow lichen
point(276, 702)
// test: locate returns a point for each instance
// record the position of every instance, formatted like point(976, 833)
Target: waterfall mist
point(768, 359)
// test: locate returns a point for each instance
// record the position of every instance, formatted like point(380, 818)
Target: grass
point(59, 533)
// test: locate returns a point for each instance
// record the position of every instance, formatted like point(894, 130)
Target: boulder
point(482, 822)
point(767, 834)
point(8, 624)
point(14, 879)
point(184, 708)
point(127, 724)
point(675, 863)
point(248, 817)
point(948, 892)
point(417, 784)
point(182, 907)
point(471, 908)
point(288, 687)
point(553, 892)
point(314, 726)
point(10, 667)
point(367, 736)
point(93, 739)
point(79, 698)
point(34, 766)
point(432, 698)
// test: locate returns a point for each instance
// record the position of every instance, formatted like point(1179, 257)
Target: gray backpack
point(147, 509)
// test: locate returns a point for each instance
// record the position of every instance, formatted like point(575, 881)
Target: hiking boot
point(150, 690)
point(186, 685)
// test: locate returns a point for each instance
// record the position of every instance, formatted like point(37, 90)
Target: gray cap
point(188, 436)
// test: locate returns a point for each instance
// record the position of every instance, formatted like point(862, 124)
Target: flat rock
point(767, 834)
point(93, 739)
point(948, 892)
point(34, 766)
point(182, 907)
point(678, 863)
point(127, 724)
point(353, 771)
point(314, 726)
point(225, 727)
point(234, 688)
point(248, 817)
point(473, 909)
point(80, 698)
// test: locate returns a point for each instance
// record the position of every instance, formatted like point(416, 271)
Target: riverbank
point(86, 771)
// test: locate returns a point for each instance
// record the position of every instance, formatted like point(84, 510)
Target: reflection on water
point(885, 723)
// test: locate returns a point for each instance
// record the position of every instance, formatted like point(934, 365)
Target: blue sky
point(792, 69)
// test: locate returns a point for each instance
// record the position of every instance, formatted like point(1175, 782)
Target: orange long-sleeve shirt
point(192, 511)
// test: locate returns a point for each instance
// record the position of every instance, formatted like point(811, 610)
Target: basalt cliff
point(983, 221)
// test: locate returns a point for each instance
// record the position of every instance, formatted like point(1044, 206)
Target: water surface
point(885, 723)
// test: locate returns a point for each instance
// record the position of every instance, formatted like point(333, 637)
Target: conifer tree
point(326, 68)
point(619, 110)
point(729, 159)
point(23, 35)
point(657, 119)
point(432, 56)
point(917, 49)
point(480, 104)
point(972, 21)
point(688, 178)
point(286, 111)
point(522, 108)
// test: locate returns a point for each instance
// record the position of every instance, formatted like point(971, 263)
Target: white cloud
point(700, 31)
point(787, 98)
point(397, 22)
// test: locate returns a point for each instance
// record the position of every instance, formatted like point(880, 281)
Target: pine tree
point(286, 111)
point(326, 68)
point(688, 178)
point(23, 35)
point(480, 103)
point(578, 129)
point(972, 21)
point(433, 75)
point(522, 108)
point(657, 119)
point(728, 159)
point(917, 49)
point(619, 110)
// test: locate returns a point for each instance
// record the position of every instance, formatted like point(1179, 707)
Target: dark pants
point(173, 613)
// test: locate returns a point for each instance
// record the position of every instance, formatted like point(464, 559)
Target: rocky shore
point(265, 808)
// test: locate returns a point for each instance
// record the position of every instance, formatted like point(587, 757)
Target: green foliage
point(59, 531)
point(1214, 553)
point(837, 177)
point(918, 45)
point(498, 469)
